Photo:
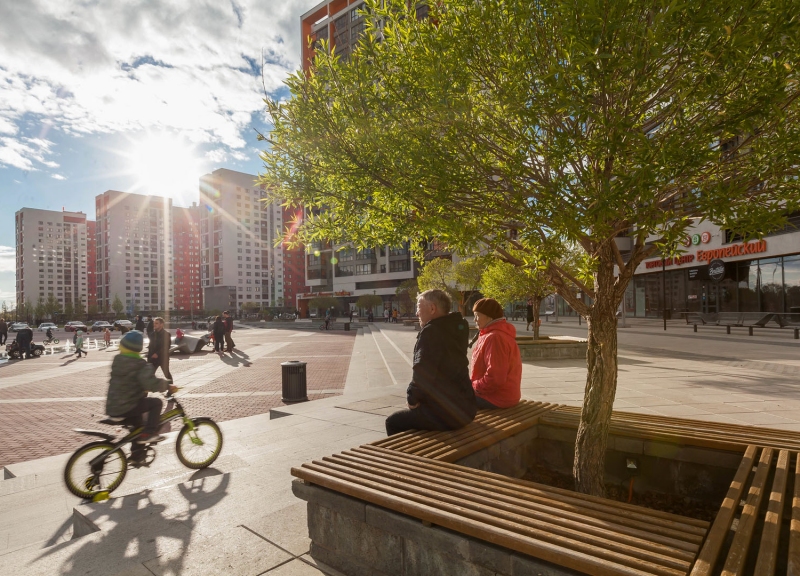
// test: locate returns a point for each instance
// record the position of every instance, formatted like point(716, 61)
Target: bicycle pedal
point(100, 496)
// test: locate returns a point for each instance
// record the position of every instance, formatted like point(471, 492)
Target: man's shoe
point(149, 438)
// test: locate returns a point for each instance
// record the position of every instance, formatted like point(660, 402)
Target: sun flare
point(165, 165)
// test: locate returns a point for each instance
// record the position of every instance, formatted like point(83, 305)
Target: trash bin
point(347, 326)
point(293, 380)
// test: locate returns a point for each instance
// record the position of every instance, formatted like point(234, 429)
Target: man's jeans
point(413, 419)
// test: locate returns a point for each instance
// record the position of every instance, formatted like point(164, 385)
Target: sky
point(134, 95)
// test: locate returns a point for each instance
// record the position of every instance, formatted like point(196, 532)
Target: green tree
point(461, 280)
point(581, 121)
point(117, 306)
point(369, 301)
point(407, 296)
point(4, 309)
point(52, 305)
point(508, 284)
point(322, 303)
point(39, 310)
point(79, 308)
point(27, 311)
point(93, 310)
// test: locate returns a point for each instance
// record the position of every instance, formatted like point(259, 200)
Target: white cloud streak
point(7, 259)
point(190, 66)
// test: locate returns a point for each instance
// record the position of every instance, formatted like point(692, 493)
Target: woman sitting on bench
point(496, 363)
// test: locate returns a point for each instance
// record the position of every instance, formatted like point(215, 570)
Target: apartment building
point(238, 234)
point(294, 279)
point(52, 256)
point(187, 290)
point(91, 262)
point(134, 251)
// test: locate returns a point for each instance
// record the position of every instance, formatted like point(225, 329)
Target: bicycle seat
point(113, 420)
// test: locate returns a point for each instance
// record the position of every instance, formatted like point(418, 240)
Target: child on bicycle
point(132, 377)
point(49, 333)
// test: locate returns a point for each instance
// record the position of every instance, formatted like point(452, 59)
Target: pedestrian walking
point(79, 351)
point(24, 339)
point(327, 319)
point(529, 315)
point(158, 348)
point(107, 337)
point(228, 321)
point(370, 316)
point(150, 328)
point(139, 324)
point(386, 315)
point(3, 331)
point(394, 316)
point(218, 333)
point(351, 314)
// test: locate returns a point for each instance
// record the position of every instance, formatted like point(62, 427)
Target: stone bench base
point(360, 539)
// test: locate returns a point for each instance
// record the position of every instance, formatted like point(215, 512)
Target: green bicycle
point(98, 468)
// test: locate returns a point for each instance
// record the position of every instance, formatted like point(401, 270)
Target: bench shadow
point(161, 538)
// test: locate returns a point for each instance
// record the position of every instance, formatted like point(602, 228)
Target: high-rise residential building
point(91, 262)
point(52, 257)
point(238, 232)
point(134, 251)
point(294, 259)
point(188, 291)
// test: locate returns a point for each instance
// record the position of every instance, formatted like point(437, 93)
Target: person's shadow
point(237, 358)
point(141, 531)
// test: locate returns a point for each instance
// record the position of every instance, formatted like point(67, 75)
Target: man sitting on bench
point(440, 396)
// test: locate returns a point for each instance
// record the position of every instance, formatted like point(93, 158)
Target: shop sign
point(734, 250)
point(696, 239)
point(716, 270)
point(694, 273)
point(677, 261)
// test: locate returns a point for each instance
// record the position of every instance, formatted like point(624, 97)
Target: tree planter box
point(551, 347)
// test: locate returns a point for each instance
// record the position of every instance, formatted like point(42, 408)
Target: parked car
point(101, 325)
point(120, 324)
point(17, 326)
point(45, 325)
point(74, 325)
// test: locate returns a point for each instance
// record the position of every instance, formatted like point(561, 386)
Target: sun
point(165, 165)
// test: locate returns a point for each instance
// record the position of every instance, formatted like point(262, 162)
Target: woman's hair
point(439, 298)
point(218, 319)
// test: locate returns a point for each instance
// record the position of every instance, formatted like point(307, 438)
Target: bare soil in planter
point(655, 500)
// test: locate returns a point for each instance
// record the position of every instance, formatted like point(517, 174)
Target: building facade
point(91, 263)
point(719, 272)
point(238, 234)
point(187, 290)
point(52, 257)
point(294, 278)
point(134, 251)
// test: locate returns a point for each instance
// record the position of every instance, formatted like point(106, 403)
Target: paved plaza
point(240, 517)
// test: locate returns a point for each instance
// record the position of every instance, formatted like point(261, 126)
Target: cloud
point(8, 257)
point(189, 66)
point(57, 177)
point(25, 153)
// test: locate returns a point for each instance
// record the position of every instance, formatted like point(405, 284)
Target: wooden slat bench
point(593, 535)
point(763, 507)
point(684, 431)
point(489, 427)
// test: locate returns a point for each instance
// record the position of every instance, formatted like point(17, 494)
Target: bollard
point(695, 327)
point(728, 329)
point(797, 333)
point(750, 330)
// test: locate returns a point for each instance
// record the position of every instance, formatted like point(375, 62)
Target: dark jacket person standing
point(24, 339)
point(228, 321)
point(139, 324)
point(3, 331)
point(440, 395)
point(158, 348)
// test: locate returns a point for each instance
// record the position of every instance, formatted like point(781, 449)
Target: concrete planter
point(551, 347)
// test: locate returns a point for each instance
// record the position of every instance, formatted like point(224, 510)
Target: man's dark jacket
point(139, 325)
point(24, 337)
point(441, 383)
point(159, 344)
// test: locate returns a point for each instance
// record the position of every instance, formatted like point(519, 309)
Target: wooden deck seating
point(489, 426)
point(758, 506)
point(585, 533)
point(684, 431)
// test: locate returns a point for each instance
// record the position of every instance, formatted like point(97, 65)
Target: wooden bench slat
point(793, 565)
point(541, 544)
point(670, 422)
point(768, 549)
point(635, 547)
point(522, 507)
point(707, 558)
point(568, 497)
point(737, 556)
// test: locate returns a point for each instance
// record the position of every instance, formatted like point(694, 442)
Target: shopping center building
point(720, 272)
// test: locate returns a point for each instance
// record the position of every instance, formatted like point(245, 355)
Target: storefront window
point(791, 285)
point(771, 285)
point(747, 276)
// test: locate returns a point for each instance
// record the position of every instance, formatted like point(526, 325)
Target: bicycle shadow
point(136, 529)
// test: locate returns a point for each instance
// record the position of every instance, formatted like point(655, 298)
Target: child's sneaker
point(149, 438)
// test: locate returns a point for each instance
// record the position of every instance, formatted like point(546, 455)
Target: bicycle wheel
point(198, 448)
point(55, 341)
point(78, 474)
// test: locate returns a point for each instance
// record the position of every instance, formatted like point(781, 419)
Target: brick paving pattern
point(44, 428)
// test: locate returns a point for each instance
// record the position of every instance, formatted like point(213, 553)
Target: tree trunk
point(601, 383)
point(537, 304)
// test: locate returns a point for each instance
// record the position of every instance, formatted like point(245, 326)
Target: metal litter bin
point(347, 326)
point(293, 380)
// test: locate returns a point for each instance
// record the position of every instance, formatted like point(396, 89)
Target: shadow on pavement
point(141, 529)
